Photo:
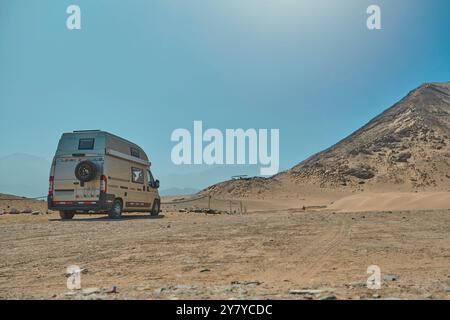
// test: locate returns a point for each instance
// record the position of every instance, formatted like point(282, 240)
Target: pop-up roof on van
point(99, 143)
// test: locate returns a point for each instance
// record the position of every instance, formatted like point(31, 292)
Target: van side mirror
point(156, 184)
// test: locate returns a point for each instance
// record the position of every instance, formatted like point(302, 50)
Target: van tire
point(85, 171)
point(66, 215)
point(156, 207)
point(116, 210)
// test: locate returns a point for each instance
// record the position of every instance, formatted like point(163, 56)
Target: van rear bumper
point(104, 203)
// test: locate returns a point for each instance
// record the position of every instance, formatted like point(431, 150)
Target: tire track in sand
point(318, 253)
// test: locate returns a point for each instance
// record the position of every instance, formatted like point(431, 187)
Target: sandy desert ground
point(263, 254)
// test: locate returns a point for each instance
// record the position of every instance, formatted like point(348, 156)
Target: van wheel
point(66, 215)
point(156, 207)
point(116, 210)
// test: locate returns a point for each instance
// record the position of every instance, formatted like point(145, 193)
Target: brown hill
point(405, 148)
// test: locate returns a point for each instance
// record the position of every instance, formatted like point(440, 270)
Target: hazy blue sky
point(141, 69)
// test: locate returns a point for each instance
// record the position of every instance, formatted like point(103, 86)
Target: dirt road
point(264, 255)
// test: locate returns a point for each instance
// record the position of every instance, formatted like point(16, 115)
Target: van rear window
point(134, 152)
point(86, 144)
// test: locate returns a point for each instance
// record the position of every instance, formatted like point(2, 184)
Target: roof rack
point(239, 177)
point(96, 130)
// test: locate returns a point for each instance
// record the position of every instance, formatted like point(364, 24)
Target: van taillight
point(51, 185)
point(103, 184)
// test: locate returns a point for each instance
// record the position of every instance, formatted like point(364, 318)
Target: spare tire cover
point(85, 171)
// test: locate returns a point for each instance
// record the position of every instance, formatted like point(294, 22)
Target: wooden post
point(209, 202)
point(241, 207)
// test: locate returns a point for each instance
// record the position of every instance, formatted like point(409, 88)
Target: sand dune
point(393, 201)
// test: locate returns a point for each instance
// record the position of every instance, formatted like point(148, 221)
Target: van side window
point(137, 175)
point(86, 144)
point(134, 152)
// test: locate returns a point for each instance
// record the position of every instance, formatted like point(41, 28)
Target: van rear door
point(68, 188)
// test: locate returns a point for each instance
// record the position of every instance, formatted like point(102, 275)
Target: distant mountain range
point(24, 175)
point(178, 191)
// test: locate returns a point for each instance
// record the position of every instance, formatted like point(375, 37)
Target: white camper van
point(95, 171)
